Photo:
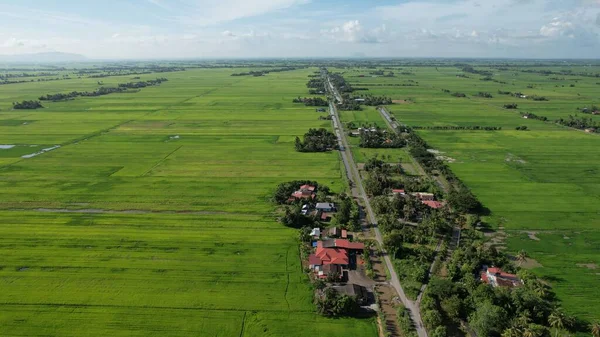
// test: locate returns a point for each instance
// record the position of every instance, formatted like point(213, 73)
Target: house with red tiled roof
point(398, 191)
point(433, 204)
point(324, 256)
point(305, 192)
point(496, 277)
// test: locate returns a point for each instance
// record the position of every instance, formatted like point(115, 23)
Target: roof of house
point(344, 234)
point(325, 216)
point(500, 273)
point(314, 260)
point(351, 289)
point(343, 243)
point(433, 204)
point(326, 205)
point(303, 194)
point(398, 191)
point(307, 187)
point(424, 196)
point(332, 255)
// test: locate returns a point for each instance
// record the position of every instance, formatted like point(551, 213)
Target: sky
point(174, 29)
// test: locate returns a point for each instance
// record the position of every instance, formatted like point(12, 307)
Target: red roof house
point(398, 191)
point(497, 277)
point(307, 188)
point(332, 256)
point(433, 204)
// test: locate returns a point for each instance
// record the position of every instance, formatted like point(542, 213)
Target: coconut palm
point(595, 328)
point(522, 256)
point(557, 320)
point(512, 332)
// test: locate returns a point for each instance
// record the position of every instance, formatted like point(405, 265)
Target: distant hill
point(53, 57)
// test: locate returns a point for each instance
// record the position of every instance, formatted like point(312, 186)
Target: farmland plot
point(153, 217)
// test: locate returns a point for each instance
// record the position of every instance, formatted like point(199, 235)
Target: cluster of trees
point(529, 310)
point(348, 215)
point(511, 106)
point(375, 100)
point(521, 128)
point(538, 98)
point(316, 140)
point(459, 94)
point(311, 101)
point(257, 73)
point(316, 86)
point(102, 90)
point(332, 304)
point(285, 190)
point(504, 92)
point(27, 105)
point(581, 123)
point(592, 109)
point(470, 69)
point(530, 115)
point(382, 73)
point(377, 138)
point(484, 95)
point(469, 127)
point(349, 104)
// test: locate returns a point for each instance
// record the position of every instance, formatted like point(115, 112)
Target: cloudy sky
point(149, 29)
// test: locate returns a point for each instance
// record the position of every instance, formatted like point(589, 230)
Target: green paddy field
point(545, 181)
point(153, 216)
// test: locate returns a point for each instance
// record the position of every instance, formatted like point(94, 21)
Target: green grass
point(546, 179)
point(188, 244)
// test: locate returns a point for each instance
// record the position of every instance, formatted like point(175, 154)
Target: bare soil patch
point(588, 265)
point(532, 236)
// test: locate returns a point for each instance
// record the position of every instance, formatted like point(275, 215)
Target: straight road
point(359, 192)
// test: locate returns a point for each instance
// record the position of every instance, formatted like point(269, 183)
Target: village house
point(424, 196)
point(325, 207)
point(433, 204)
point(336, 232)
point(360, 293)
point(305, 192)
point(496, 277)
point(398, 191)
point(341, 243)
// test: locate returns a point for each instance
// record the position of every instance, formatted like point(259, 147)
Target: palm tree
point(557, 320)
point(522, 256)
point(595, 328)
point(512, 332)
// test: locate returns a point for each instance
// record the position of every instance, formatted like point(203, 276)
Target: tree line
point(311, 101)
point(468, 127)
point(102, 90)
point(375, 138)
point(581, 123)
point(258, 73)
point(530, 115)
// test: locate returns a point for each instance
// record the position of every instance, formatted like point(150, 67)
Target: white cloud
point(557, 28)
point(353, 32)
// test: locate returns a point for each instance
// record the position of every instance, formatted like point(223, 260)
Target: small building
point(328, 270)
point(399, 191)
point(359, 99)
point(336, 232)
point(325, 207)
point(316, 232)
point(496, 277)
point(305, 192)
point(341, 243)
point(325, 217)
point(424, 196)
point(360, 293)
point(433, 204)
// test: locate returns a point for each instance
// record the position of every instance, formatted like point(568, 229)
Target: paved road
point(359, 192)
